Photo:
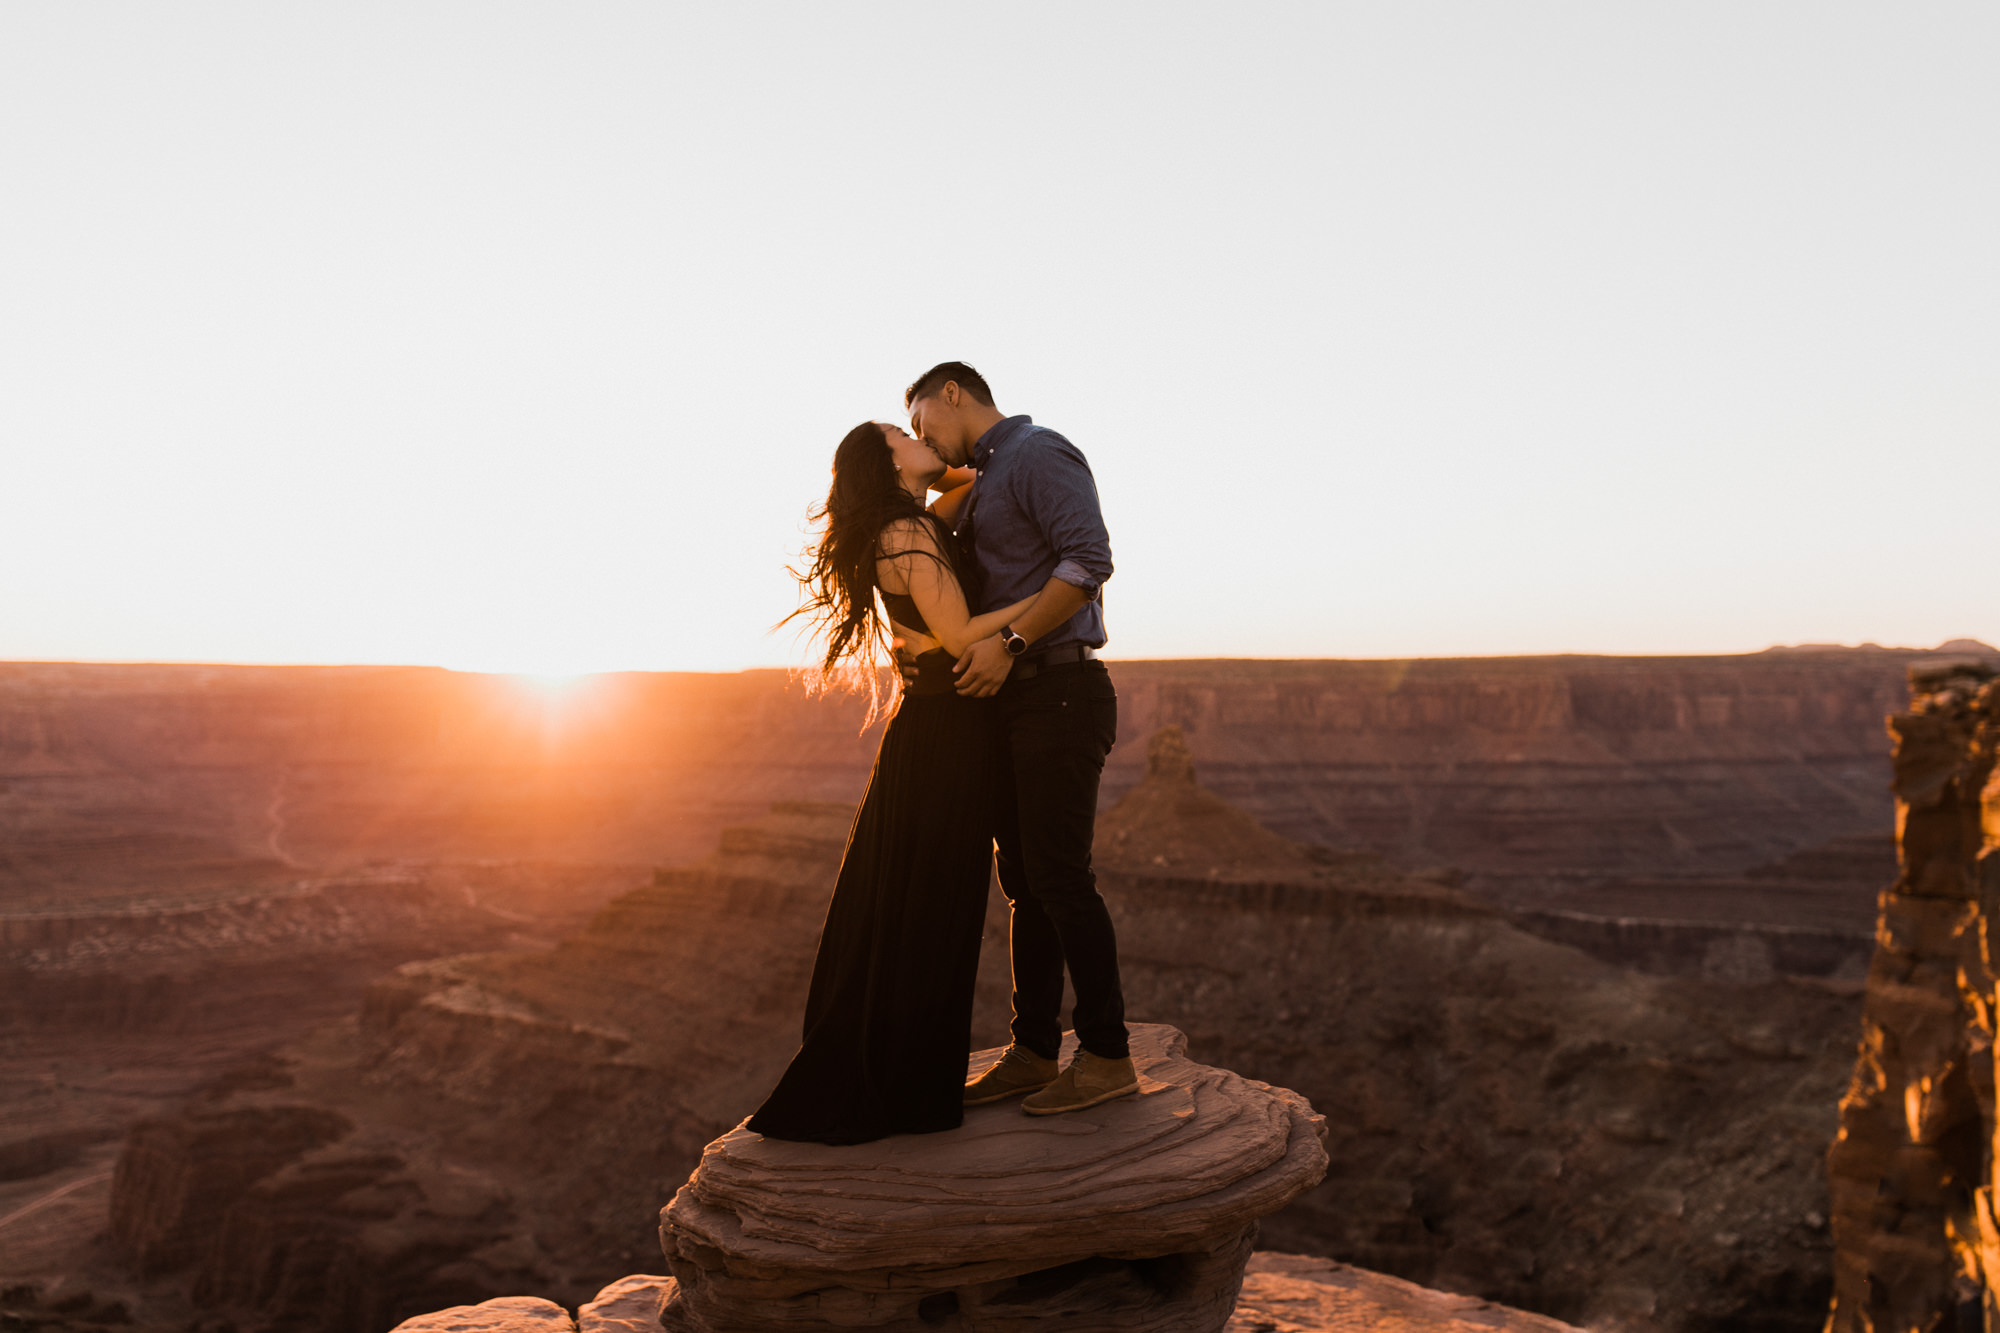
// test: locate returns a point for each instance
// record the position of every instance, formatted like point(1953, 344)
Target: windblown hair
point(839, 581)
point(969, 381)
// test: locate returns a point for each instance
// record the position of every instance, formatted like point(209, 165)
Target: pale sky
point(519, 337)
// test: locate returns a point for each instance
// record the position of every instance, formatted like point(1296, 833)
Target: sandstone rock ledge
point(629, 1305)
point(1136, 1215)
point(1301, 1293)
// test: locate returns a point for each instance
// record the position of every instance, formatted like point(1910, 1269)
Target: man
point(1032, 525)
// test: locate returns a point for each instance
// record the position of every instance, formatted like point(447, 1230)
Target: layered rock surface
point(1523, 767)
point(1506, 1116)
point(1281, 1293)
point(1808, 914)
point(1138, 1214)
point(1135, 1215)
point(503, 1122)
point(1916, 1226)
point(1509, 766)
point(150, 809)
point(115, 1008)
point(1298, 1293)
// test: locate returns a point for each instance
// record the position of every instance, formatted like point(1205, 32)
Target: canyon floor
point(119, 1006)
point(1510, 1118)
point(1568, 949)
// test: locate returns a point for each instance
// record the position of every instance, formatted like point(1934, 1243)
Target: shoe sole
point(1098, 1100)
point(1003, 1096)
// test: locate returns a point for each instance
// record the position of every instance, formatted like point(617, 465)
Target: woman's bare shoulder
point(903, 535)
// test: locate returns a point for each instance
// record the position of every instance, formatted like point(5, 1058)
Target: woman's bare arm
point(910, 556)
point(956, 488)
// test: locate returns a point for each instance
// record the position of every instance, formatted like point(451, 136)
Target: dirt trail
point(52, 1196)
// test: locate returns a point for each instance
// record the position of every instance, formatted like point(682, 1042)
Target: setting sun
point(552, 686)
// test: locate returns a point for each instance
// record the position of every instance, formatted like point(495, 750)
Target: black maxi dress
point(889, 1016)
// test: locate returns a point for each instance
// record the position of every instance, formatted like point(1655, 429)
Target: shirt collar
point(996, 434)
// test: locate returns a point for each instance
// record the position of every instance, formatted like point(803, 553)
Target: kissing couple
point(993, 593)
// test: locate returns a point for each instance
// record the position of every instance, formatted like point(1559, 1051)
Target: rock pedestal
point(1135, 1215)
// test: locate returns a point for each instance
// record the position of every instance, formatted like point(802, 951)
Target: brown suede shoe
point(1089, 1081)
point(1018, 1070)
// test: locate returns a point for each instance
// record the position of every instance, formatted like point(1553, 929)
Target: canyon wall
point(143, 777)
point(140, 776)
point(1915, 1225)
point(191, 960)
point(1539, 765)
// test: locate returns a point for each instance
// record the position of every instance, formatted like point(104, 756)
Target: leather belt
point(1034, 664)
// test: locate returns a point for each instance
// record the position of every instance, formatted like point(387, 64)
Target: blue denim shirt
point(1034, 516)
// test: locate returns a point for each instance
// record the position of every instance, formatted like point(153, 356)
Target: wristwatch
point(1016, 645)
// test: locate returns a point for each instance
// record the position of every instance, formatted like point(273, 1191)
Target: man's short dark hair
point(968, 380)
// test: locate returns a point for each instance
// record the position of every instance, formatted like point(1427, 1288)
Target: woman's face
point(916, 462)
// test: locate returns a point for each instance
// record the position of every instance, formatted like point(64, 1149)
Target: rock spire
point(1911, 1172)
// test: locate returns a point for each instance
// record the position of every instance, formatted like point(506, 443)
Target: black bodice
point(903, 610)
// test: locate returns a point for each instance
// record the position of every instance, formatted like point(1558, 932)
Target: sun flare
point(552, 686)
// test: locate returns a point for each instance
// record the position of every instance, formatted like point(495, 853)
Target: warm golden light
point(552, 687)
point(564, 706)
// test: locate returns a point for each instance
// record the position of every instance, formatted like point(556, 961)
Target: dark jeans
point(1058, 726)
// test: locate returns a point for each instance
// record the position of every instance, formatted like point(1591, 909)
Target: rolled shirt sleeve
point(1073, 573)
point(1060, 494)
point(1034, 516)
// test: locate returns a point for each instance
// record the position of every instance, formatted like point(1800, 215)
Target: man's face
point(935, 420)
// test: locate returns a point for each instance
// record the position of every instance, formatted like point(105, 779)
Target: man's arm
point(982, 669)
point(1060, 495)
point(1059, 600)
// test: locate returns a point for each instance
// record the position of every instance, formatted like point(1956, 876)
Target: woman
point(889, 1016)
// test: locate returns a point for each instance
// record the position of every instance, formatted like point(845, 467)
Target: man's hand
point(983, 668)
point(906, 660)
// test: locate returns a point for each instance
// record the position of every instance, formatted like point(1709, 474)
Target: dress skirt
point(889, 1016)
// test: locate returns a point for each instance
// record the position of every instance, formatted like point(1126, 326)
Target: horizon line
point(1957, 645)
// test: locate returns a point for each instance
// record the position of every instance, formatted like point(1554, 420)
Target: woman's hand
point(910, 644)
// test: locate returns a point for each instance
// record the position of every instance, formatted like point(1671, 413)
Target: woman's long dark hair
point(839, 578)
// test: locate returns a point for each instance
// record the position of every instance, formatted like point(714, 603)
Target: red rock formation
point(1531, 765)
point(121, 785)
point(176, 773)
point(1137, 1215)
point(1506, 1116)
point(1298, 1293)
point(1282, 1293)
point(1170, 824)
point(1911, 1169)
point(177, 1178)
point(1509, 766)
